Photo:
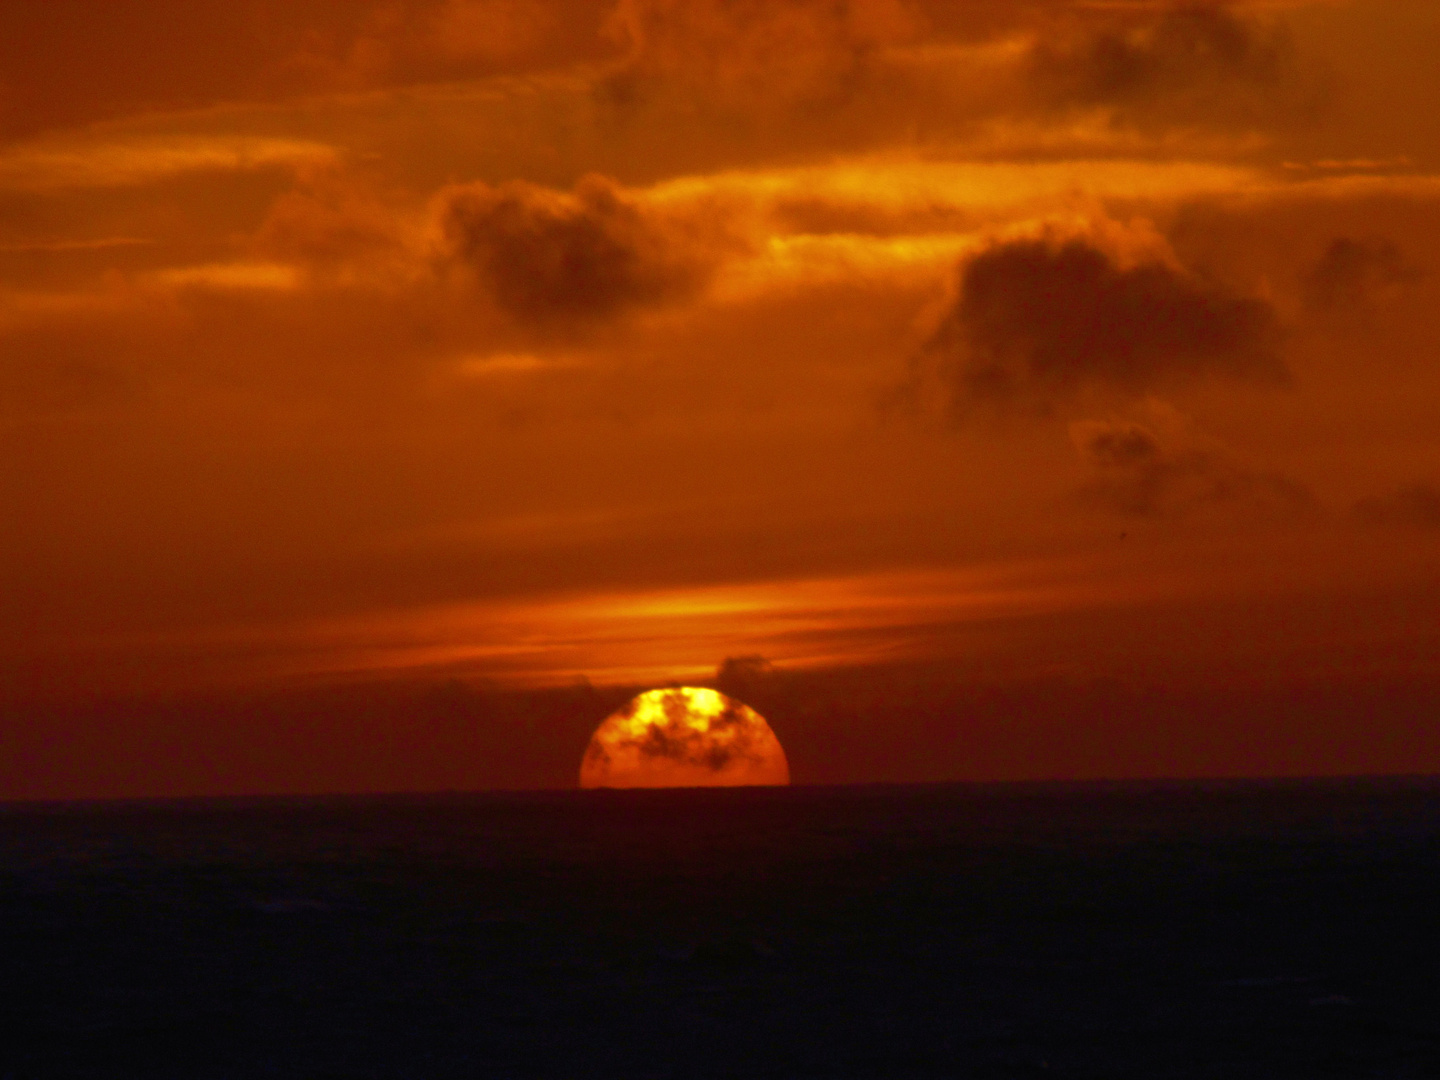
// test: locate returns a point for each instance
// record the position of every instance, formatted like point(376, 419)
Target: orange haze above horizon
point(354, 350)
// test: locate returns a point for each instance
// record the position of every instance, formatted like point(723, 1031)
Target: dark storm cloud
point(1193, 61)
point(1350, 270)
point(551, 257)
point(1036, 322)
point(1417, 506)
point(1138, 475)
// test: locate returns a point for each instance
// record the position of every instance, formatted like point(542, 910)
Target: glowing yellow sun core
point(685, 736)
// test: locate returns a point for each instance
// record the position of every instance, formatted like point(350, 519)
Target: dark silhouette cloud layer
point(1036, 322)
point(553, 257)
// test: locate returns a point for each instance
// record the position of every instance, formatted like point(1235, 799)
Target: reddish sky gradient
point(1043, 389)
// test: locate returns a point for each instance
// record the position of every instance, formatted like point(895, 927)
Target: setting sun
point(684, 737)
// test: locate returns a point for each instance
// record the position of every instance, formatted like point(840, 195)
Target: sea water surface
point(1221, 929)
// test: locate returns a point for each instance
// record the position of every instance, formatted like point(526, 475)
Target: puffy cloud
point(1350, 270)
point(1142, 472)
point(1036, 322)
point(1417, 506)
point(551, 257)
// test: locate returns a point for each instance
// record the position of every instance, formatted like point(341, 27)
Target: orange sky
point(955, 348)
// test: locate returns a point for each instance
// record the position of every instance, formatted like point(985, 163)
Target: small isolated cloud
point(1036, 322)
point(1416, 506)
point(551, 257)
point(1350, 270)
point(1145, 472)
point(1185, 62)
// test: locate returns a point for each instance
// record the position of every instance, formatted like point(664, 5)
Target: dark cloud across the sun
point(678, 741)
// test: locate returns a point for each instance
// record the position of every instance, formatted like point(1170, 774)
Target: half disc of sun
point(684, 736)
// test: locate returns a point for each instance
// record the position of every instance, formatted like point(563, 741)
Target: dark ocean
point(1236, 929)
